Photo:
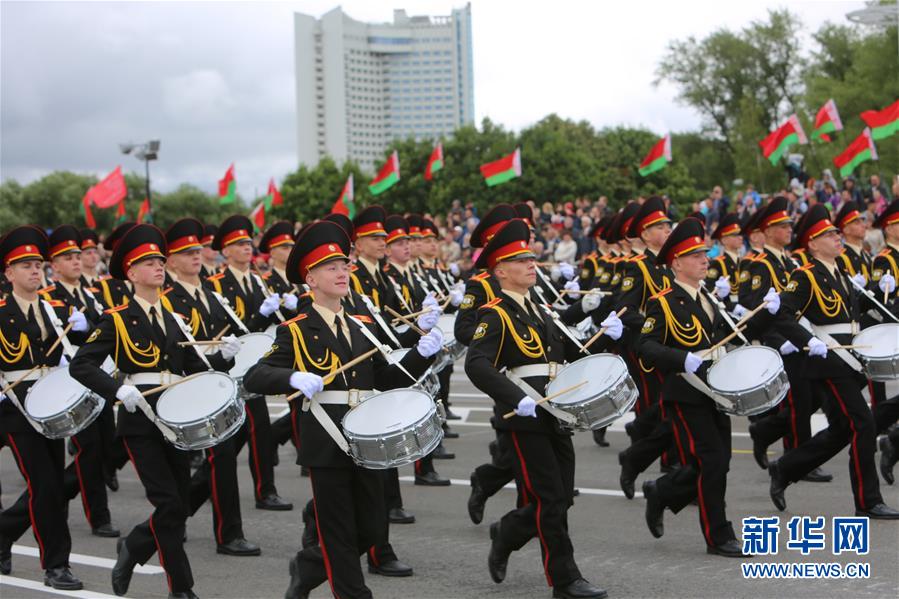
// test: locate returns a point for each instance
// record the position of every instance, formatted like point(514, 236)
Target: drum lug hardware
point(553, 370)
point(353, 398)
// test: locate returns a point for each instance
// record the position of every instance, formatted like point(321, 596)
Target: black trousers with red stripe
point(381, 550)
point(41, 505)
point(704, 434)
point(347, 504)
point(496, 474)
point(426, 464)
point(165, 473)
point(85, 475)
point(216, 479)
point(544, 466)
point(257, 433)
point(791, 420)
point(849, 421)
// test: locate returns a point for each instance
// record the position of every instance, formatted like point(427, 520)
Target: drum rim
point(604, 355)
point(234, 399)
point(85, 392)
point(754, 387)
point(861, 351)
point(432, 412)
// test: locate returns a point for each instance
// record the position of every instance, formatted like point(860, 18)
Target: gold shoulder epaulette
point(105, 277)
point(56, 303)
point(47, 289)
point(806, 266)
point(296, 318)
point(494, 302)
point(883, 252)
point(637, 258)
point(760, 256)
point(661, 293)
point(115, 309)
point(2, 302)
point(362, 318)
point(354, 267)
point(481, 276)
point(166, 291)
point(215, 277)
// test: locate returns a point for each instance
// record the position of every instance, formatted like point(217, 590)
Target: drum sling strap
point(376, 312)
point(57, 327)
point(15, 401)
point(821, 334)
point(223, 301)
point(555, 318)
point(700, 385)
point(388, 355)
point(535, 395)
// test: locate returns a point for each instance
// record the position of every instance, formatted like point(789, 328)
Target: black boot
point(105, 530)
point(888, 457)
point(295, 589)
point(498, 558)
point(274, 503)
point(759, 449)
point(239, 547)
point(398, 515)
point(442, 454)
point(778, 485)
point(310, 527)
point(5, 555)
point(62, 579)
point(183, 595)
point(818, 476)
point(394, 568)
point(599, 437)
point(579, 589)
point(655, 511)
point(881, 511)
point(123, 569)
point(729, 548)
point(627, 477)
point(431, 479)
point(476, 501)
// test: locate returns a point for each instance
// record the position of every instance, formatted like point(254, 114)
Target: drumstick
point(600, 332)
point(405, 320)
point(221, 333)
point(347, 366)
point(56, 343)
point(710, 350)
point(549, 397)
point(414, 314)
point(210, 342)
point(806, 348)
point(586, 291)
point(153, 390)
point(750, 314)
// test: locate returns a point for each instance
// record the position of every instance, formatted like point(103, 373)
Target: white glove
point(78, 321)
point(306, 382)
point(428, 320)
point(567, 271)
point(859, 279)
point(773, 300)
point(456, 297)
point(527, 407)
point(129, 396)
point(591, 302)
point(613, 326)
point(555, 273)
point(430, 344)
point(740, 310)
point(692, 362)
point(270, 304)
point(290, 301)
point(2, 397)
point(816, 347)
point(722, 287)
point(430, 302)
point(230, 347)
point(572, 286)
point(788, 348)
point(63, 360)
point(887, 283)
point(454, 269)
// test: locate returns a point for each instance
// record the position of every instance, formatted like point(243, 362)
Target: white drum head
point(53, 393)
point(883, 339)
point(447, 324)
point(601, 371)
point(745, 368)
point(252, 347)
point(197, 398)
point(387, 412)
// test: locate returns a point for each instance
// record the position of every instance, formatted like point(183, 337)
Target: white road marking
point(584, 491)
point(87, 560)
point(24, 583)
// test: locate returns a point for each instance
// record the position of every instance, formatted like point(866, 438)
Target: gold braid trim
point(689, 336)
point(830, 305)
point(357, 285)
point(13, 352)
point(124, 340)
point(775, 282)
point(488, 290)
point(532, 347)
point(239, 307)
point(196, 322)
point(649, 285)
point(849, 268)
point(300, 351)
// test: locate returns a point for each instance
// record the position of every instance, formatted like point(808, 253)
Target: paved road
point(612, 545)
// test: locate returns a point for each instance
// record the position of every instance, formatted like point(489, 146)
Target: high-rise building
point(361, 85)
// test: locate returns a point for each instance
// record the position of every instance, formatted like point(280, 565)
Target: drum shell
point(245, 359)
point(881, 368)
point(209, 430)
point(395, 448)
point(72, 419)
point(596, 410)
point(759, 398)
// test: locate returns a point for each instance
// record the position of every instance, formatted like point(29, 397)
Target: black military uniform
point(114, 292)
point(366, 277)
point(821, 293)
point(143, 339)
point(726, 264)
point(348, 499)
point(209, 232)
point(27, 333)
point(245, 295)
point(512, 333)
point(680, 321)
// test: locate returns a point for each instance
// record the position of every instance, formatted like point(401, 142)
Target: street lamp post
point(146, 152)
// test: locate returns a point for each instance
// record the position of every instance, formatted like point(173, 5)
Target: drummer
point(244, 292)
point(824, 296)
point(309, 346)
point(210, 256)
point(676, 349)
point(512, 333)
point(723, 271)
point(277, 242)
point(26, 335)
point(216, 478)
point(114, 292)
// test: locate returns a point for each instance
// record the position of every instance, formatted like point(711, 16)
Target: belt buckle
point(553, 369)
point(353, 398)
point(854, 327)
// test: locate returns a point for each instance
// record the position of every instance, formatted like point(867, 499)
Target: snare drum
point(881, 359)
point(392, 429)
point(428, 382)
point(752, 377)
point(61, 405)
point(609, 394)
point(452, 350)
point(252, 347)
point(203, 411)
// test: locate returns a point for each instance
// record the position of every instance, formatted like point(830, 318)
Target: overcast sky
point(214, 80)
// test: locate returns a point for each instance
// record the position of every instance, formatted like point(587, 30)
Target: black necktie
point(157, 330)
point(32, 322)
point(246, 286)
point(341, 338)
point(76, 295)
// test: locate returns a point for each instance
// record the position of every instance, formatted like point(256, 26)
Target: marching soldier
point(209, 256)
point(277, 243)
point(680, 324)
point(90, 258)
point(347, 498)
point(821, 293)
point(513, 334)
point(26, 333)
point(114, 292)
point(724, 269)
point(244, 292)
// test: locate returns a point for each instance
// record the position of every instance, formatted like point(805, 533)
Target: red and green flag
point(658, 158)
point(258, 215)
point(274, 196)
point(120, 216)
point(228, 187)
point(827, 121)
point(345, 204)
point(86, 213)
point(388, 176)
point(502, 170)
point(435, 162)
point(143, 213)
point(779, 140)
point(883, 123)
point(110, 191)
point(860, 150)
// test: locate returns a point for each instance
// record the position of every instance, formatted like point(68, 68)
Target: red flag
point(228, 187)
point(258, 216)
point(109, 191)
point(86, 211)
point(143, 213)
point(120, 215)
point(435, 162)
point(344, 204)
point(277, 199)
